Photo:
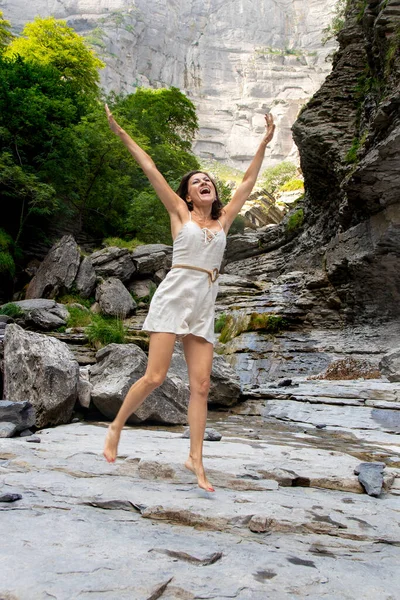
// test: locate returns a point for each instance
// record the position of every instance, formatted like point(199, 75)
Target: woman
point(183, 305)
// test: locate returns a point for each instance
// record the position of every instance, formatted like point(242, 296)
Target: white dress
point(184, 301)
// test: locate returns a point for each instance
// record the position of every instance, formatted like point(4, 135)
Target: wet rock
point(42, 369)
point(20, 413)
point(118, 367)
point(370, 475)
point(114, 299)
point(57, 271)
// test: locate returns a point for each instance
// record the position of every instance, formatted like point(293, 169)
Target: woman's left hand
point(270, 128)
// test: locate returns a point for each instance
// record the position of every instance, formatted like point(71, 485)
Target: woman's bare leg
point(160, 352)
point(199, 355)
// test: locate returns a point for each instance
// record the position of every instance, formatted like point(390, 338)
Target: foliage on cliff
point(60, 165)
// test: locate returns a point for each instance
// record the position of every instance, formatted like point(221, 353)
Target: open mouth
point(205, 190)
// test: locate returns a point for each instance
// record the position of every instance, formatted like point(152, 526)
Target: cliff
point(235, 60)
point(349, 142)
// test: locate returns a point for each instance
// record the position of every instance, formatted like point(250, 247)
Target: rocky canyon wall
point(235, 59)
point(349, 142)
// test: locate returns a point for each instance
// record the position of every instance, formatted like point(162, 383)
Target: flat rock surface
point(141, 528)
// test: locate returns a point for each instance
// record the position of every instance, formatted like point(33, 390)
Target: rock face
point(235, 62)
point(349, 142)
point(42, 370)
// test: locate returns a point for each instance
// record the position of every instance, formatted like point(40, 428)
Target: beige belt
point(213, 275)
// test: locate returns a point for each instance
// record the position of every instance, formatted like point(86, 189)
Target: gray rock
point(6, 319)
point(114, 299)
point(26, 433)
point(141, 288)
point(118, 367)
point(210, 435)
point(84, 388)
point(57, 271)
point(43, 369)
point(150, 263)
point(10, 497)
point(389, 365)
point(42, 314)
point(7, 429)
point(370, 475)
point(21, 413)
point(33, 439)
point(284, 383)
point(85, 281)
point(113, 262)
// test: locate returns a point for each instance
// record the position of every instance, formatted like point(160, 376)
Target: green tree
point(164, 115)
point(274, 177)
point(50, 41)
point(5, 34)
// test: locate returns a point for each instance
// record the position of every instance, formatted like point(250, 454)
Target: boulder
point(85, 281)
point(225, 383)
point(21, 414)
point(141, 288)
point(114, 299)
point(113, 262)
point(152, 258)
point(42, 314)
point(57, 271)
point(43, 370)
point(118, 367)
point(389, 365)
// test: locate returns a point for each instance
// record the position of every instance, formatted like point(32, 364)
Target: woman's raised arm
point(172, 202)
point(245, 188)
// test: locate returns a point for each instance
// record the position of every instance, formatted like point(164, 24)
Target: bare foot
point(111, 444)
point(198, 470)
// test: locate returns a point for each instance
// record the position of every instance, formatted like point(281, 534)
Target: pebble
point(10, 497)
point(34, 438)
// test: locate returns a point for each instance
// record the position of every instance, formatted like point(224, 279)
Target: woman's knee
point(201, 386)
point(154, 379)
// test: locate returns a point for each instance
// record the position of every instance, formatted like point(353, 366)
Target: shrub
point(120, 243)
point(266, 322)
point(11, 310)
point(292, 185)
point(220, 323)
point(295, 220)
point(79, 317)
point(105, 330)
point(75, 299)
point(275, 177)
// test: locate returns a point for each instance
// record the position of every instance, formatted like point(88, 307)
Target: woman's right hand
point(115, 128)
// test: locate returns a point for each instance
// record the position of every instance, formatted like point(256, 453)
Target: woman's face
point(201, 190)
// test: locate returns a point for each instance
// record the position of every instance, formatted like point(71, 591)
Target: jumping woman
point(183, 304)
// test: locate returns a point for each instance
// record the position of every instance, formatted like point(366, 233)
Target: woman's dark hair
point(182, 191)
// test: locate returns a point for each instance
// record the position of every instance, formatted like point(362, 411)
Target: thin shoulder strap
point(220, 223)
point(190, 215)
